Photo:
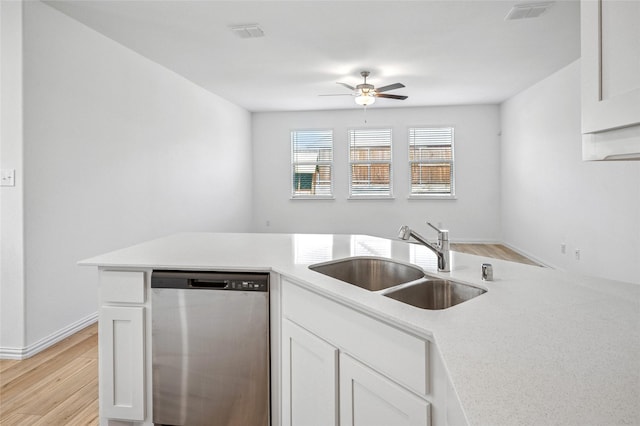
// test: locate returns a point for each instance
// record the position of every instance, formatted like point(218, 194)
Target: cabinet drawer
point(122, 287)
point(390, 351)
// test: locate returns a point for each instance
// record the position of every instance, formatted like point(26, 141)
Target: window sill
point(328, 197)
point(371, 197)
point(432, 197)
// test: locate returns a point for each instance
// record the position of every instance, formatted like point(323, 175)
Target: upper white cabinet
point(610, 79)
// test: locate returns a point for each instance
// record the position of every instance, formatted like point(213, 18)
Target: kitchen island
point(539, 347)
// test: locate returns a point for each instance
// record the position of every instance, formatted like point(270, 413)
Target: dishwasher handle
point(208, 283)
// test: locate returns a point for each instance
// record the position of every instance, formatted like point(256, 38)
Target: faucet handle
point(429, 223)
point(442, 234)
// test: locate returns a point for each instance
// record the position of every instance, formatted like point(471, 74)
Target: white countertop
point(541, 347)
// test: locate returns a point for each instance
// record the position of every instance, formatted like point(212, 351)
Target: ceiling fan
point(366, 94)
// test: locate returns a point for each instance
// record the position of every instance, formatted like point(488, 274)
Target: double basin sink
point(399, 281)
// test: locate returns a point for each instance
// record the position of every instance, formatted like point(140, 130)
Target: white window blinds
point(431, 161)
point(311, 163)
point(370, 163)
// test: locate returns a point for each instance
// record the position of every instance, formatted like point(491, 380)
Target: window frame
point(370, 162)
point(451, 195)
point(318, 162)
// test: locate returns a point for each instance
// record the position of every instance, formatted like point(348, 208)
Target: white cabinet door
point(610, 64)
point(369, 399)
point(610, 79)
point(309, 378)
point(122, 362)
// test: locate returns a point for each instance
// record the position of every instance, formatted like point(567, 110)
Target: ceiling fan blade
point(346, 85)
point(383, 95)
point(389, 87)
point(338, 94)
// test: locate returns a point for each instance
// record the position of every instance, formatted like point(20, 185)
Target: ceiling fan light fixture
point(365, 94)
point(365, 99)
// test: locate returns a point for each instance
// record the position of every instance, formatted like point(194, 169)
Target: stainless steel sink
point(434, 293)
point(399, 281)
point(371, 273)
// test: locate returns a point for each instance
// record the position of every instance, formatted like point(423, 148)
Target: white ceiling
point(446, 52)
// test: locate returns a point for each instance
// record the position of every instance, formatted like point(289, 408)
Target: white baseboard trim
point(52, 339)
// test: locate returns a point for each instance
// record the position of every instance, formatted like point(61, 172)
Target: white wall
point(473, 216)
point(117, 150)
point(551, 197)
point(12, 327)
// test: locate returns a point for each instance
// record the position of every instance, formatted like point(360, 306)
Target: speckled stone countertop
point(541, 347)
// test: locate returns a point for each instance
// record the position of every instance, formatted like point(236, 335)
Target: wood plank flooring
point(59, 386)
point(496, 251)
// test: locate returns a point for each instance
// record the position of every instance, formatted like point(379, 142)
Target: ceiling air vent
point(248, 31)
point(527, 10)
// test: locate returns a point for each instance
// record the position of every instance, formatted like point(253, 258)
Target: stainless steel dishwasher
point(210, 348)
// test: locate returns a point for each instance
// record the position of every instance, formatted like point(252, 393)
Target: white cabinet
point(309, 378)
point(122, 362)
point(340, 366)
point(122, 346)
point(610, 36)
point(369, 399)
point(384, 347)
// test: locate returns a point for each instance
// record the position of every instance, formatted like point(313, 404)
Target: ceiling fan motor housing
point(365, 88)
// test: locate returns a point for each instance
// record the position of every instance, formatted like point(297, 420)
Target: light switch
point(8, 177)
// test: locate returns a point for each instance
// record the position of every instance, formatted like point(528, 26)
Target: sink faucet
point(441, 248)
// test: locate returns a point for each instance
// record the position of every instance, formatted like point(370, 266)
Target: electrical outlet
point(267, 223)
point(563, 248)
point(8, 177)
point(577, 253)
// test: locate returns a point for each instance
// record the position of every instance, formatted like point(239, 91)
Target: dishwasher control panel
point(246, 285)
point(206, 280)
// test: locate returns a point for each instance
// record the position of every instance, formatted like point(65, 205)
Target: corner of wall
point(12, 297)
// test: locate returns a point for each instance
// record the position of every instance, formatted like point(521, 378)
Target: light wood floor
point(59, 386)
point(496, 251)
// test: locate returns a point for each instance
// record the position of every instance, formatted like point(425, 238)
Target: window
point(431, 161)
point(311, 163)
point(370, 163)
